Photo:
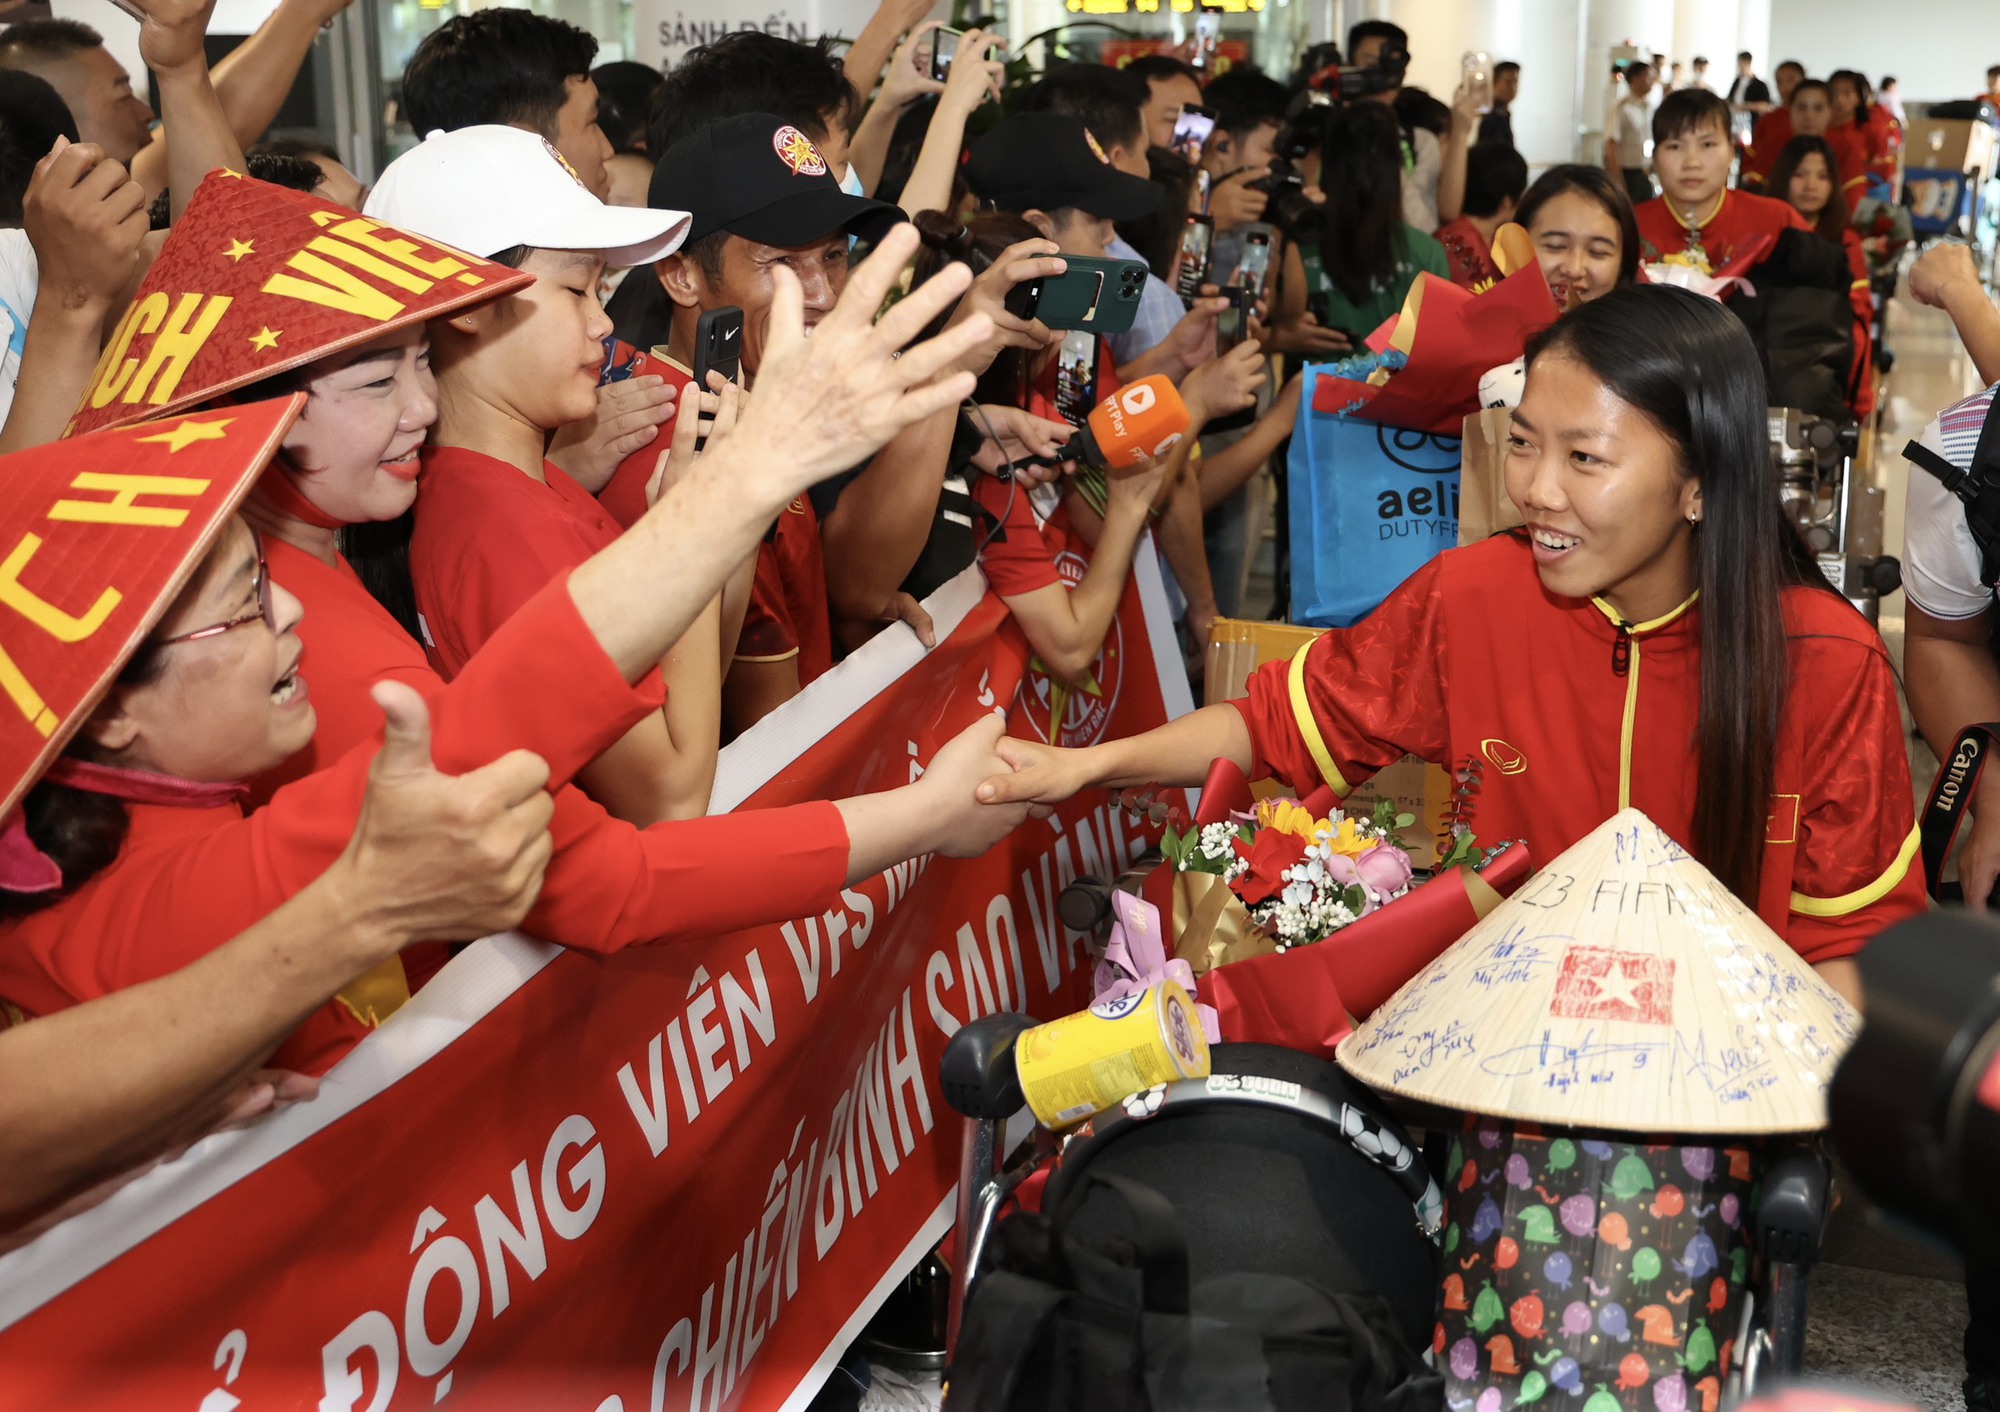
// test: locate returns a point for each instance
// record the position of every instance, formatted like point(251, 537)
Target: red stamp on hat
point(1597, 983)
point(796, 151)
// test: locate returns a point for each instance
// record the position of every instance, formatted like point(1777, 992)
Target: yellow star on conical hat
point(1621, 987)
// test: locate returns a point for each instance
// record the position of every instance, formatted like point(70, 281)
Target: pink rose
point(1346, 873)
point(1385, 869)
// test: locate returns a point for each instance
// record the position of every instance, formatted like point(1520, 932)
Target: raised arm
point(170, 40)
point(1946, 278)
point(86, 220)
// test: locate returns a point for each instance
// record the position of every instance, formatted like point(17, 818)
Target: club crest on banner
point(796, 151)
point(1074, 714)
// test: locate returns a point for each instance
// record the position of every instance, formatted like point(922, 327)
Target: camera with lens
point(1915, 1104)
point(1289, 208)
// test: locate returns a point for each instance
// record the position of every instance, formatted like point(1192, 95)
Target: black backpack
point(1802, 322)
point(1064, 1322)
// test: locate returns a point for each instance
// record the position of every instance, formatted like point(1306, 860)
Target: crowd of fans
point(519, 524)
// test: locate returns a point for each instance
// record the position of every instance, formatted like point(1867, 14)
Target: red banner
point(679, 1178)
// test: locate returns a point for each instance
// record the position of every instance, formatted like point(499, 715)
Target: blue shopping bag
point(1370, 504)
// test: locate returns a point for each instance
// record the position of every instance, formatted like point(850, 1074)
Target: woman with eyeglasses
point(157, 865)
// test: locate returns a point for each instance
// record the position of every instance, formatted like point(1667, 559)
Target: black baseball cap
point(757, 176)
point(1045, 161)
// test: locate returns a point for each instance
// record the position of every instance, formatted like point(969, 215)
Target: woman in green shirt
point(1368, 255)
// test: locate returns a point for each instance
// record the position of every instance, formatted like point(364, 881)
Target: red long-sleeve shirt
point(1472, 658)
point(187, 880)
point(609, 884)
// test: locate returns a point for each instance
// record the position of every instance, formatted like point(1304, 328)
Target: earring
point(1694, 517)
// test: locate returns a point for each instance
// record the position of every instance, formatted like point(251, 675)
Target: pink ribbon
point(1135, 959)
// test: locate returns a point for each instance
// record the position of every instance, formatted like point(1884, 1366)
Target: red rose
point(1268, 855)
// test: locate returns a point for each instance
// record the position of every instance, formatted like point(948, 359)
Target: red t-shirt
point(1767, 140)
point(487, 539)
point(1436, 671)
point(351, 643)
point(788, 613)
point(1028, 550)
point(624, 495)
point(1469, 254)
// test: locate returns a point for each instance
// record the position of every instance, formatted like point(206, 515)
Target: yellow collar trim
point(1713, 212)
point(1657, 623)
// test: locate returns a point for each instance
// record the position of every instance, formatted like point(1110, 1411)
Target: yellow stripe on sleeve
point(1874, 892)
point(1309, 727)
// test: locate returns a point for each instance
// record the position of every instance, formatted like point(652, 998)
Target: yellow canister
point(1092, 1060)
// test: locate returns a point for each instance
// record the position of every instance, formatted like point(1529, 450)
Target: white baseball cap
point(489, 188)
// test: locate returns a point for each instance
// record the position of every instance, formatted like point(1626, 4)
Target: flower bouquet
point(1423, 368)
point(1295, 915)
point(1691, 270)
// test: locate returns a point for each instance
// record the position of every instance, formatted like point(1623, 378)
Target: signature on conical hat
point(1621, 987)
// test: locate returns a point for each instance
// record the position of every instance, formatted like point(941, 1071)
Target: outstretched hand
point(1035, 774)
point(829, 402)
point(967, 824)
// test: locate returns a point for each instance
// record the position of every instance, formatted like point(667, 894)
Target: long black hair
point(1831, 222)
point(1688, 366)
point(1595, 185)
point(1362, 174)
point(1864, 92)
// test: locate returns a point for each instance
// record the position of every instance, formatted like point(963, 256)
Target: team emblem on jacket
point(1506, 759)
point(796, 151)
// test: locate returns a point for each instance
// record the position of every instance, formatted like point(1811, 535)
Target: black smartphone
point(944, 48)
point(1197, 238)
point(1233, 322)
point(718, 345)
point(1253, 266)
point(1077, 377)
point(1191, 133)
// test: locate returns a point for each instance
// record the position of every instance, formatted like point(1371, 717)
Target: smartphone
point(1077, 377)
point(1207, 39)
point(718, 344)
point(1253, 268)
point(1233, 322)
point(944, 48)
point(1191, 133)
point(1197, 238)
point(1100, 296)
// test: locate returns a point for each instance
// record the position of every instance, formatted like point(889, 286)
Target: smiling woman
point(1683, 656)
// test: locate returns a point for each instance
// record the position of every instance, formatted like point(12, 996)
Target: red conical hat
point(255, 279)
point(97, 535)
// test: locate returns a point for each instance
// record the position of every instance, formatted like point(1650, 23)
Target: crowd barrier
point(682, 1177)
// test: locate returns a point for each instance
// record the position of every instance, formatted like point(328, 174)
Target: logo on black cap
point(796, 151)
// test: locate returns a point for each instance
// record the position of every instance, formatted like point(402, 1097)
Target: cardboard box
point(1238, 648)
point(1483, 506)
point(1950, 144)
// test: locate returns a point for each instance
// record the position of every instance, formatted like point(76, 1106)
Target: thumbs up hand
point(440, 857)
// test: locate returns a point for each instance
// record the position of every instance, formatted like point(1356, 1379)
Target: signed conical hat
point(1621, 987)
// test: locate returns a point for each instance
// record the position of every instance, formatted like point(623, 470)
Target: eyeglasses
point(264, 613)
